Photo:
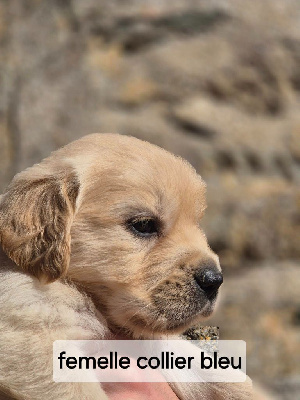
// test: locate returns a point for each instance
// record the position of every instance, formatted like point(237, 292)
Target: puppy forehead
point(141, 178)
point(169, 184)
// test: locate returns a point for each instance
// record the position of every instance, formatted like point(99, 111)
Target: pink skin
point(139, 391)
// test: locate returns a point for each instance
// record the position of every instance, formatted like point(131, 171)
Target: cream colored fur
point(71, 267)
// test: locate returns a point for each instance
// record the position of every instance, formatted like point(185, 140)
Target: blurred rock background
point(215, 81)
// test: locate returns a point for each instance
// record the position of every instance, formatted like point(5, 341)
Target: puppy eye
point(144, 226)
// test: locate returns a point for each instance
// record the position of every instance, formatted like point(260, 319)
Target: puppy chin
point(158, 323)
point(179, 326)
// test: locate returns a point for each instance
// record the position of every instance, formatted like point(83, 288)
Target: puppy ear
point(35, 222)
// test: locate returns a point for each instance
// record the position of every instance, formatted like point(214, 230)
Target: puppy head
point(137, 243)
point(132, 213)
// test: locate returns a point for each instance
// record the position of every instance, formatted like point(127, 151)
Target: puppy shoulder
point(56, 307)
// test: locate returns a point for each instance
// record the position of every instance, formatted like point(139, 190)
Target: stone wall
point(216, 82)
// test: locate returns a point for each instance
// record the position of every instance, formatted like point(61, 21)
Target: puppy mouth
point(169, 309)
point(184, 307)
point(185, 316)
point(167, 314)
point(166, 317)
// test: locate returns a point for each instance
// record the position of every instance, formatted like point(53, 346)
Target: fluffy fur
point(72, 267)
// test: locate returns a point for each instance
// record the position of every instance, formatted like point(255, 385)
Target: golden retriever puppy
point(103, 236)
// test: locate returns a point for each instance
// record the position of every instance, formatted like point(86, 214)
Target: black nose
point(209, 279)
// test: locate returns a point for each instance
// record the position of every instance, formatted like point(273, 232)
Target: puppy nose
point(209, 279)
